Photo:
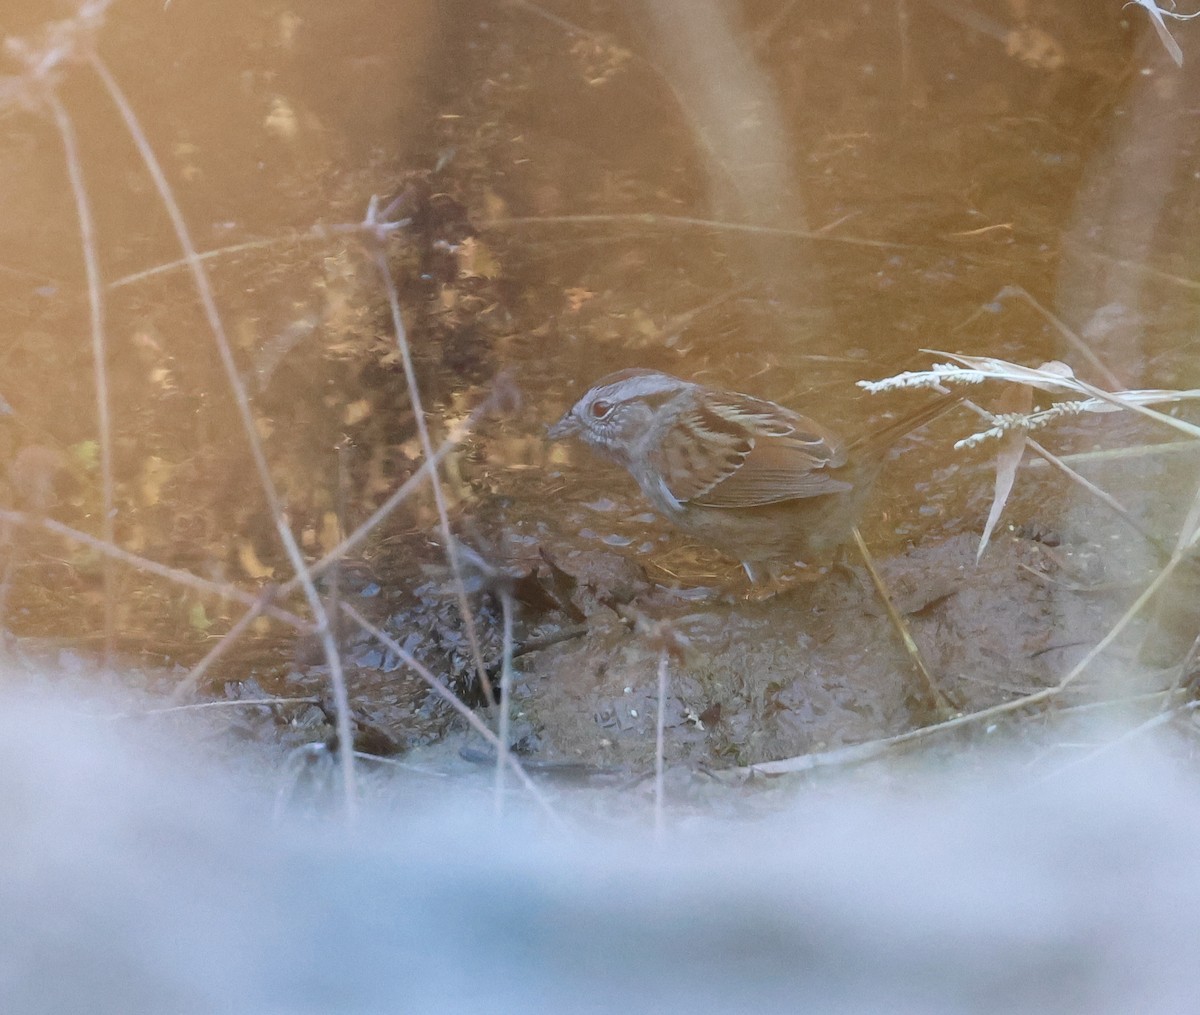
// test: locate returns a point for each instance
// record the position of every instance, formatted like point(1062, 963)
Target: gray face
point(619, 411)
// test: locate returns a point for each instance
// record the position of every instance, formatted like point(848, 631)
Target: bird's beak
point(568, 426)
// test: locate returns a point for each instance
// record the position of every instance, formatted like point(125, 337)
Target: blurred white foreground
point(139, 874)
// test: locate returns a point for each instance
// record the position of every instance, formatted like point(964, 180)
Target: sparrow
point(757, 481)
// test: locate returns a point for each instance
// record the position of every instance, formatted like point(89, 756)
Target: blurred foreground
point(144, 873)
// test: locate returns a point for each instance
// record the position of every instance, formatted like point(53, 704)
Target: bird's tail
point(879, 442)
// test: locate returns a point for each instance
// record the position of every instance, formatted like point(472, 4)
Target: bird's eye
point(601, 408)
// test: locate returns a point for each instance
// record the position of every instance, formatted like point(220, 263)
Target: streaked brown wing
point(777, 469)
point(705, 447)
point(738, 451)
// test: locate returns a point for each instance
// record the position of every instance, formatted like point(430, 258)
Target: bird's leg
point(758, 573)
point(768, 581)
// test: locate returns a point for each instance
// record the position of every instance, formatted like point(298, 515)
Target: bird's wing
point(736, 451)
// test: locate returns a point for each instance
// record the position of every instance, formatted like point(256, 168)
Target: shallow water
point(868, 193)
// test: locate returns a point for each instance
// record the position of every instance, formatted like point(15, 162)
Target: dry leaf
point(356, 412)
point(331, 531)
point(1014, 399)
point(198, 617)
point(251, 565)
point(1035, 48)
point(475, 260)
point(156, 472)
point(494, 206)
point(577, 297)
point(1160, 26)
point(281, 121)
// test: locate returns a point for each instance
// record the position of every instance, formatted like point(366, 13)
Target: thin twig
point(408, 766)
point(1059, 325)
point(652, 219)
point(197, 706)
point(1103, 496)
point(447, 695)
point(242, 401)
point(660, 726)
point(227, 640)
point(943, 706)
point(314, 233)
point(174, 574)
point(862, 752)
point(1154, 722)
point(406, 489)
point(506, 608)
point(1190, 446)
point(902, 32)
point(91, 263)
point(1048, 459)
point(439, 497)
point(1137, 266)
point(189, 683)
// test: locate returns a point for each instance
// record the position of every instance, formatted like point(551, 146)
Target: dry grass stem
point(1155, 722)
point(220, 590)
point(198, 706)
point(1082, 348)
point(440, 689)
point(1048, 459)
point(506, 607)
point(1105, 498)
point(439, 497)
point(652, 220)
point(316, 233)
point(427, 468)
point(1157, 15)
point(91, 263)
point(189, 683)
point(187, 686)
point(242, 401)
point(862, 752)
point(943, 707)
point(408, 766)
point(1184, 671)
point(1136, 451)
point(1190, 528)
point(1054, 378)
point(660, 723)
point(1135, 266)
